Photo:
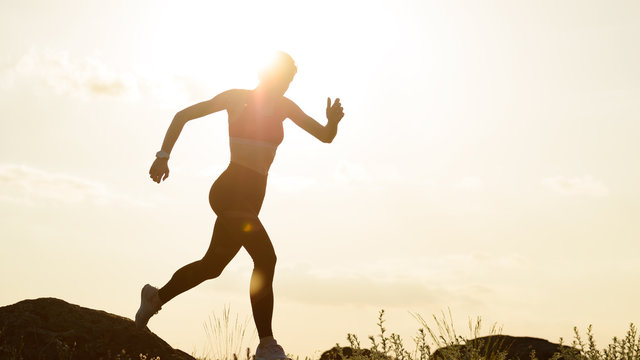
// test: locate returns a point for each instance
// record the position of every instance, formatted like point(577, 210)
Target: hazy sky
point(487, 162)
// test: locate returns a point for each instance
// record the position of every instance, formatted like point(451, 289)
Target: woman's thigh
point(222, 249)
point(246, 230)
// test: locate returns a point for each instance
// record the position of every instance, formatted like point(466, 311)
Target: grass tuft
point(443, 334)
point(227, 337)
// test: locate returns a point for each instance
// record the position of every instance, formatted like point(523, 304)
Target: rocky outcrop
point(514, 347)
point(50, 328)
point(346, 352)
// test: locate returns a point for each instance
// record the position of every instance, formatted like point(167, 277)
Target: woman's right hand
point(159, 170)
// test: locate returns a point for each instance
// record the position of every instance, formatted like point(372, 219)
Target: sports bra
point(256, 124)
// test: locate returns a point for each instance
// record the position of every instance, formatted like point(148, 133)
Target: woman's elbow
point(327, 139)
point(180, 118)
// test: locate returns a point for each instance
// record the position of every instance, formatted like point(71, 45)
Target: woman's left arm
point(323, 133)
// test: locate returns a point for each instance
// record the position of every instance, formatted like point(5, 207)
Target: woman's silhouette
point(255, 131)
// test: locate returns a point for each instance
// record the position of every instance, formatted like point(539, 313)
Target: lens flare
point(257, 283)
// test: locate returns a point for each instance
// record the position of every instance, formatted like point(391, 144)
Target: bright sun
point(215, 45)
point(229, 41)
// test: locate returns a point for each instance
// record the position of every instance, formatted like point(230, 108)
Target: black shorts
point(238, 190)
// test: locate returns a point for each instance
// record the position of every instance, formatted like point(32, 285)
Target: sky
point(487, 163)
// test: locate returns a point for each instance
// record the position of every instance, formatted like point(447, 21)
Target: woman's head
point(278, 73)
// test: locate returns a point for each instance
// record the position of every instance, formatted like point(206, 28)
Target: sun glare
point(214, 44)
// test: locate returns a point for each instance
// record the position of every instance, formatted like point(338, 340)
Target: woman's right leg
point(221, 250)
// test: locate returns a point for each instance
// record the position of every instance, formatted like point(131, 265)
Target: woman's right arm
point(160, 170)
point(217, 103)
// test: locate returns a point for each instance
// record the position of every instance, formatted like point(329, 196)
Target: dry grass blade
point(227, 335)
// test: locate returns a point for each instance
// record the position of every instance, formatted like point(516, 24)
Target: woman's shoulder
point(235, 97)
point(287, 105)
point(234, 93)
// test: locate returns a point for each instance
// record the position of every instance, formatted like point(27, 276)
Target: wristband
point(162, 155)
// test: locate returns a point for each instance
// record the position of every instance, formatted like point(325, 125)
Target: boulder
point(49, 328)
point(516, 348)
point(346, 352)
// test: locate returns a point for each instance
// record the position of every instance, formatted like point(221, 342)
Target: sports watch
point(162, 155)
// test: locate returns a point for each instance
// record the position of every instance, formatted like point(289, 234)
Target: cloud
point(399, 290)
point(89, 76)
point(466, 278)
point(585, 185)
point(344, 174)
point(65, 75)
point(28, 185)
point(306, 287)
point(358, 290)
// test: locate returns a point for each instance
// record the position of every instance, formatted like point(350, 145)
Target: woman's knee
point(210, 269)
point(266, 262)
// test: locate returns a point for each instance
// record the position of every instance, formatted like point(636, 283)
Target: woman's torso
point(255, 130)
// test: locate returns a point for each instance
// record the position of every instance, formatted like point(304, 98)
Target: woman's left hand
point(334, 112)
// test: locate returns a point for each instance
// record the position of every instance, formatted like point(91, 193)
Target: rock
point(516, 348)
point(49, 328)
point(346, 352)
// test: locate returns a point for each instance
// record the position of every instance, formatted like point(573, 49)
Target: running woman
point(255, 131)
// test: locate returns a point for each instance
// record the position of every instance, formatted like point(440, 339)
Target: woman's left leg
point(249, 231)
point(254, 238)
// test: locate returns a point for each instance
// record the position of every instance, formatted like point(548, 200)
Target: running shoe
point(271, 351)
point(150, 304)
